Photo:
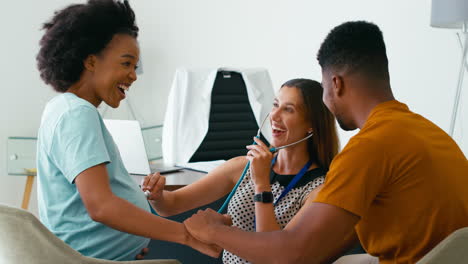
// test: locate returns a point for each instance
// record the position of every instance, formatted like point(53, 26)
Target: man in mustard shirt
point(399, 184)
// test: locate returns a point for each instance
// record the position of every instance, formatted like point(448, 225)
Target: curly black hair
point(76, 32)
point(356, 46)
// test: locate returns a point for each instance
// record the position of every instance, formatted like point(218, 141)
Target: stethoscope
point(273, 150)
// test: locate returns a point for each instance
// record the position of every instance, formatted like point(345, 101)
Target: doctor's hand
point(202, 225)
point(154, 183)
point(260, 162)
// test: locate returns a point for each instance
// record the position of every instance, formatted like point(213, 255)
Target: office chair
point(24, 239)
point(213, 114)
point(232, 122)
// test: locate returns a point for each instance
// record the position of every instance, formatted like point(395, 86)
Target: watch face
point(264, 197)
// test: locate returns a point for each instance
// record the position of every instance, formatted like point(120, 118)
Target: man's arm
point(317, 234)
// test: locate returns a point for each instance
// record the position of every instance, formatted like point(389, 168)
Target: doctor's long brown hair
point(324, 144)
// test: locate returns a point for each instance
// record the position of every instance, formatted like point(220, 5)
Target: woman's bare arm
point(211, 187)
point(107, 208)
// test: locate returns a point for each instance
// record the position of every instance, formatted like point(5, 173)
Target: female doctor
point(89, 54)
point(277, 184)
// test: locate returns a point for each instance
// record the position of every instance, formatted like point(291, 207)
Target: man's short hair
point(356, 46)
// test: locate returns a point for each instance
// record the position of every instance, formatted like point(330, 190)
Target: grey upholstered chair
point(453, 249)
point(23, 239)
point(357, 259)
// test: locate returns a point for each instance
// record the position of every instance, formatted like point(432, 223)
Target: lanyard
point(294, 181)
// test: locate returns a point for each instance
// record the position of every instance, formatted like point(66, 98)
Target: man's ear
point(90, 63)
point(338, 85)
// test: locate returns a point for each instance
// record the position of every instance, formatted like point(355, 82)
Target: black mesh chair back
point(232, 123)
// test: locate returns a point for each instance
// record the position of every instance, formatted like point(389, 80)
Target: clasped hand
point(204, 223)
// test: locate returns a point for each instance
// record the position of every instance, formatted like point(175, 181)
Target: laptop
point(129, 139)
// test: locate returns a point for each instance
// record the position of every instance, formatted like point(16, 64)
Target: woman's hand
point(260, 162)
point(154, 183)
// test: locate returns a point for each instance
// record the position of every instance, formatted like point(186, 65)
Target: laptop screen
point(128, 138)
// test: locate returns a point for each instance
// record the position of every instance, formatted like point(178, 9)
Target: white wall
point(282, 36)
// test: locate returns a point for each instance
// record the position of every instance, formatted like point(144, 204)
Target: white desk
point(176, 180)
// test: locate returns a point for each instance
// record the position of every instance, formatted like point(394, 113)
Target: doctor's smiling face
point(297, 110)
point(111, 72)
point(288, 117)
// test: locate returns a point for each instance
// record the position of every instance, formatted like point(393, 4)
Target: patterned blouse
point(242, 207)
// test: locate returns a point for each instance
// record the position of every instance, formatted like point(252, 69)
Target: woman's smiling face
point(114, 70)
point(288, 117)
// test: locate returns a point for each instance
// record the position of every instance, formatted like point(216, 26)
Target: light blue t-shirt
point(73, 138)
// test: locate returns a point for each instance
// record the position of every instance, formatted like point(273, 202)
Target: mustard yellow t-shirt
point(405, 178)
